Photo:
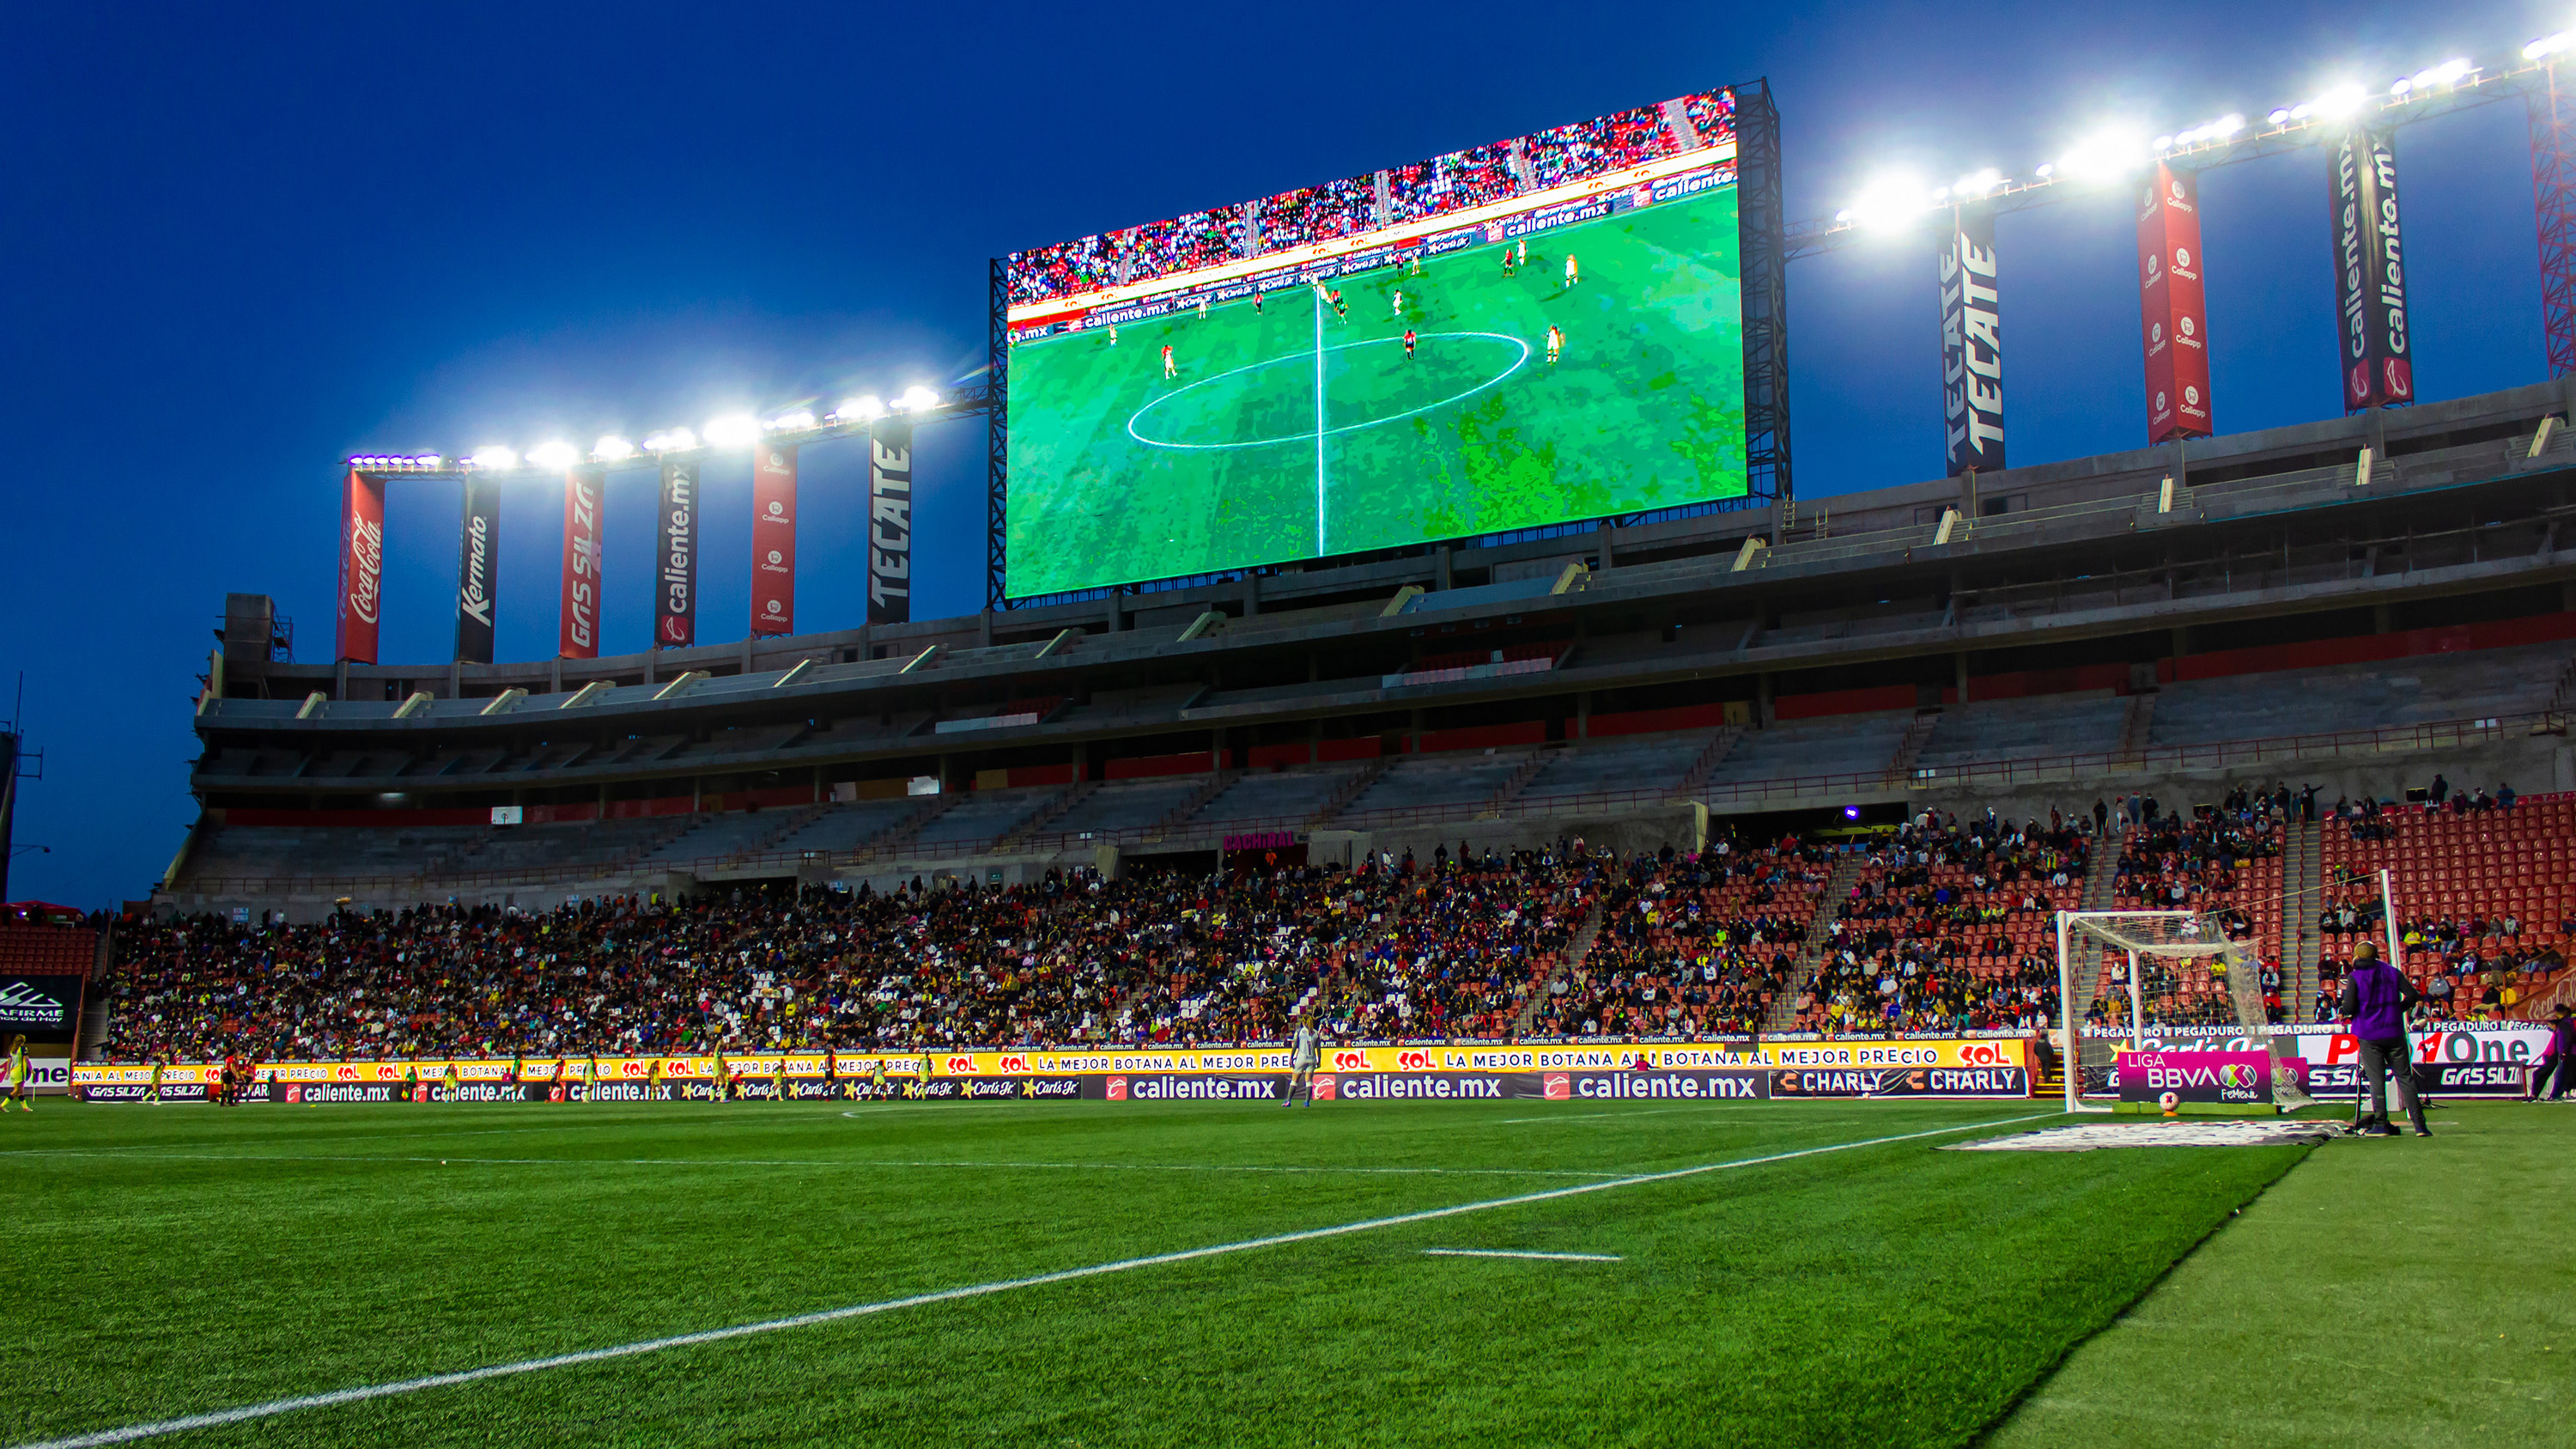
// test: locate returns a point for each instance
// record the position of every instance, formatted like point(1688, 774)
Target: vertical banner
point(362, 565)
point(478, 569)
point(773, 539)
point(675, 573)
point(1972, 355)
point(890, 523)
point(2370, 274)
point(579, 629)
point(2174, 323)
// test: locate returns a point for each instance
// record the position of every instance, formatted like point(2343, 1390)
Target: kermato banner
point(1978, 1068)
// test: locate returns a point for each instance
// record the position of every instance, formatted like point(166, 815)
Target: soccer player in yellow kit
point(19, 1072)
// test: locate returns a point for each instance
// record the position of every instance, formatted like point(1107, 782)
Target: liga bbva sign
point(578, 635)
point(890, 523)
point(478, 569)
point(362, 565)
point(2173, 321)
point(1972, 355)
point(675, 570)
point(773, 539)
point(2370, 272)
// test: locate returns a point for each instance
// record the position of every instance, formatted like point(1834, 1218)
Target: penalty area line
point(1501, 1253)
point(362, 1394)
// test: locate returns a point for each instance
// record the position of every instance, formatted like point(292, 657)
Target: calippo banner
point(2370, 271)
point(890, 523)
point(1972, 350)
point(478, 569)
point(579, 631)
point(362, 565)
point(2170, 307)
point(675, 572)
point(773, 539)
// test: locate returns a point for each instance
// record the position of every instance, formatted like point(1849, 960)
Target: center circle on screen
point(1197, 417)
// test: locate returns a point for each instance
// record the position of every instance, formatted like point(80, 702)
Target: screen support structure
point(1762, 226)
point(997, 433)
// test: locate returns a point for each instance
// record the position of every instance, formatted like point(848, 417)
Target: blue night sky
point(244, 242)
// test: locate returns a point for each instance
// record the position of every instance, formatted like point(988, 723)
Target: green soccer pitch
point(1289, 432)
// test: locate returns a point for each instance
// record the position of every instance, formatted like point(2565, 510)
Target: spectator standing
point(2554, 1071)
point(2375, 999)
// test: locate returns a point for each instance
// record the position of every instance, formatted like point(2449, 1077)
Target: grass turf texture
point(172, 1262)
point(1476, 433)
point(2391, 1292)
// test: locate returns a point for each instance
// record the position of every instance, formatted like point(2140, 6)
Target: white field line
point(275, 1407)
point(159, 1156)
point(1499, 1253)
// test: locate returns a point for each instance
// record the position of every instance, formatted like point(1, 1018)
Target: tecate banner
point(579, 632)
point(2174, 323)
point(478, 569)
point(2370, 272)
point(1972, 354)
point(675, 571)
point(362, 565)
point(773, 539)
point(890, 523)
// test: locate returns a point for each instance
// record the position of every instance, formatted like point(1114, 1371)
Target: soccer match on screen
point(1316, 817)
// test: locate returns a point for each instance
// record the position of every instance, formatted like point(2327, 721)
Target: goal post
point(2149, 939)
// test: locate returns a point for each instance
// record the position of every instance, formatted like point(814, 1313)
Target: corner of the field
point(2004, 1414)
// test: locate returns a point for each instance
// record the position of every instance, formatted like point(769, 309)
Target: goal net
point(2136, 970)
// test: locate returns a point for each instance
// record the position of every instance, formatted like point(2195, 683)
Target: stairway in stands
point(2302, 894)
point(1783, 1014)
point(2101, 881)
point(1576, 948)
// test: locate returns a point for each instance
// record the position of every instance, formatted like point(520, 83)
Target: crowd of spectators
point(1942, 932)
point(1471, 940)
point(1453, 182)
point(1693, 945)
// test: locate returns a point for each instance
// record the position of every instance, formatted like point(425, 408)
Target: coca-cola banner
point(1972, 353)
point(675, 567)
point(478, 569)
point(773, 539)
point(2370, 272)
point(362, 565)
point(890, 523)
point(579, 631)
point(2174, 323)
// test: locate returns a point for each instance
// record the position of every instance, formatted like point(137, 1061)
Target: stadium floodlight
point(862, 409)
point(917, 398)
point(2342, 101)
point(2440, 75)
point(555, 454)
point(733, 431)
point(799, 421)
point(2549, 45)
point(2103, 156)
point(1889, 203)
point(610, 448)
point(495, 457)
point(2278, 115)
point(671, 440)
point(2047, 169)
point(1977, 183)
point(427, 460)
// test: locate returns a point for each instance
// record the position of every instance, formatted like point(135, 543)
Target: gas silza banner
point(579, 636)
point(362, 565)
point(675, 574)
point(890, 523)
point(2172, 315)
point(478, 569)
point(2370, 271)
point(773, 539)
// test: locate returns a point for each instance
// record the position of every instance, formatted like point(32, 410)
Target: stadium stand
point(2486, 895)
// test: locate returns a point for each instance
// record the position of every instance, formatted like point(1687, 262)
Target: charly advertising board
point(1710, 1072)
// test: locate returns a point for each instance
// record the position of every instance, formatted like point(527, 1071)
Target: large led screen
point(1545, 329)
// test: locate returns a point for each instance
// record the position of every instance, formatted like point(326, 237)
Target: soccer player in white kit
point(1304, 1055)
point(1555, 343)
point(1399, 305)
point(1569, 269)
point(1169, 371)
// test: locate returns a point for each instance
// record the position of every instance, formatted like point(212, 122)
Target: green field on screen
point(1291, 433)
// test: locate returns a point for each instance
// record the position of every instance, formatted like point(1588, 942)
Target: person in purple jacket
point(2375, 998)
point(2555, 1060)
